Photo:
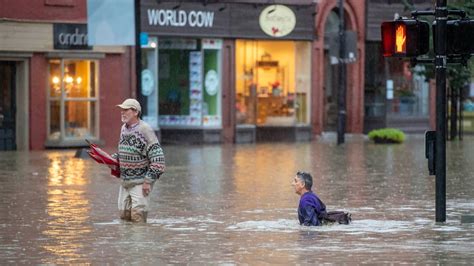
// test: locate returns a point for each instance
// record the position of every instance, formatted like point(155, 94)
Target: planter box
point(385, 141)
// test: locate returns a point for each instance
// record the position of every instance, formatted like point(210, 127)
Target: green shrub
point(387, 135)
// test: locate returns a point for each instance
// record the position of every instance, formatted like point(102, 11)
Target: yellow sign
point(277, 20)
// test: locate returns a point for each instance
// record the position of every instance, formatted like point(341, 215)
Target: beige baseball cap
point(130, 104)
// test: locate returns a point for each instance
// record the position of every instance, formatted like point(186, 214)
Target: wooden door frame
point(228, 92)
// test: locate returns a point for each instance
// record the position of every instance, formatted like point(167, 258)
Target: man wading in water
point(141, 162)
point(311, 210)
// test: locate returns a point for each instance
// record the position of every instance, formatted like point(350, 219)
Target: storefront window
point(72, 98)
point(273, 82)
point(189, 81)
point(212, 83)
point(468, 108)
point(407, 91)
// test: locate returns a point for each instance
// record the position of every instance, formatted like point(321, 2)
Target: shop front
point(181, 77)
point(72, 88)
point(228, 72)
point(56, 90)
point(273, 88)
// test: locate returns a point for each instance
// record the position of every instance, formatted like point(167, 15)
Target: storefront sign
point(70, 37)
point(227, 20)
point(277, 20)
point(183, 19)
point(180, 18)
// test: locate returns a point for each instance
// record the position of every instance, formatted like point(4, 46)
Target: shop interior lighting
point(69, 83)
point(55, 80)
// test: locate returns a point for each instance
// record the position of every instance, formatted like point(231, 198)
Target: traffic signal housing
point(459, 35)
point(405, 38)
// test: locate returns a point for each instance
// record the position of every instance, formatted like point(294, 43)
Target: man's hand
point(146, 189)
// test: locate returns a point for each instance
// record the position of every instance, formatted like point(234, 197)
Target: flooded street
point(234, 204)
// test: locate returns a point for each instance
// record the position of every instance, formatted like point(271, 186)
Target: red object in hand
point(102, 157)
point(115, 173)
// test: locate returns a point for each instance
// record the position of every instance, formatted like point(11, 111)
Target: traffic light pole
point(409, 38)
point(441, 16)
point(341, 97)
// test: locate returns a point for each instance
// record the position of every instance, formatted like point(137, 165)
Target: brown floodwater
point(234, 204)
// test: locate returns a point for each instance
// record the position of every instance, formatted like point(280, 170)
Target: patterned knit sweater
point(140, 155)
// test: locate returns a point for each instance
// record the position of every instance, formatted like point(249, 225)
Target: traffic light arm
point(417, 13)
point(456, 12)
point(458, 59)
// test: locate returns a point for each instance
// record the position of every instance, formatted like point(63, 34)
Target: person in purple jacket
point(311, 209)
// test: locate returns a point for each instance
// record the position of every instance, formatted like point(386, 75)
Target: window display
point(212, 82)
point(467, 107)
point(72, 100)
point(189, 82)
point(273, 82)
point(407, 91)
point(395, 92)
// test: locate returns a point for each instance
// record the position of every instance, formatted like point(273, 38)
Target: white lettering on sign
point(75, 38)
point(179, 18)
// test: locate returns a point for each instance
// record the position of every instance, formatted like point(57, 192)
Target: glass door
point(7, 106)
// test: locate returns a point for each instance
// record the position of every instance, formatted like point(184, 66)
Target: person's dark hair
point(307, 179)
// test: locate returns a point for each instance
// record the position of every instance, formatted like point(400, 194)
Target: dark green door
point(7, 105)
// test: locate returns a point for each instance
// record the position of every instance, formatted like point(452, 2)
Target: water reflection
point(205, 163)
point(67, 206)
point(266, 173)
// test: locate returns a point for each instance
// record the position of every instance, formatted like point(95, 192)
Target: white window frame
point(64, 141)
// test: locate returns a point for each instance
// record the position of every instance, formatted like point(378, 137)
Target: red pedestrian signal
point(405, 38)
point(400, 38)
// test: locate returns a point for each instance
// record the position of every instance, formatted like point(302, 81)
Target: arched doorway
point(326, 78)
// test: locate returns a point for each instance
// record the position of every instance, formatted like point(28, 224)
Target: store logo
point(70, 36)
point(75, 38)
point(277, 20)
point(180, 18)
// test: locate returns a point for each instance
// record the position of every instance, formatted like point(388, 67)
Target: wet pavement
point(234, 204)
